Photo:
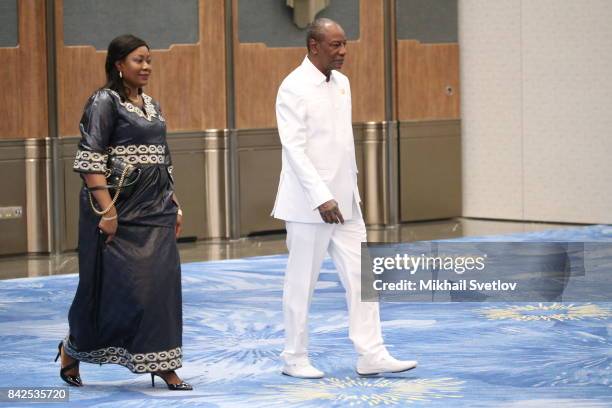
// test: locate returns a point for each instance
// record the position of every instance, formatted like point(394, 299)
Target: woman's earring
point(120, 74)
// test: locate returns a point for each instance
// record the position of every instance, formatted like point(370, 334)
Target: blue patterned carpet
point(470, 354)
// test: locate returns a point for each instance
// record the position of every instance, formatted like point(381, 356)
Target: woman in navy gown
point(127, 309)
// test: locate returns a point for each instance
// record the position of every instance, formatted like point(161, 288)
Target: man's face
point(331, 50)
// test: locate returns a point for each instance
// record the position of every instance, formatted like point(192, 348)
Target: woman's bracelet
point(179, 212)
point(110, 218)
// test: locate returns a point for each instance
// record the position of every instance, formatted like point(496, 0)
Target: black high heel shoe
point(183, 386)
point(74, 380)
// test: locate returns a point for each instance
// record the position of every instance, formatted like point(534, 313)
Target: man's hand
point(330, 213)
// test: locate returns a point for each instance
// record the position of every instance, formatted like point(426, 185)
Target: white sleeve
point(291, 120)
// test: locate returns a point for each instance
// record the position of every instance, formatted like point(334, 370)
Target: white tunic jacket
point(318, 159)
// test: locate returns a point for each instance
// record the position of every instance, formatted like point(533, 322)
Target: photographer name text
point(444, 285)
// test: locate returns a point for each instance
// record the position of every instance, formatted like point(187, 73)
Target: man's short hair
point(316, 30)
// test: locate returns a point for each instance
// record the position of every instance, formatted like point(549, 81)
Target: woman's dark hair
point(118, 49)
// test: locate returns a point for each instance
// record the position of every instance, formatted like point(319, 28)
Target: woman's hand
point(179, 223)
point(179, 216)
point(108, 225)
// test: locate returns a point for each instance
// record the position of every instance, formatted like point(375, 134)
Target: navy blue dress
point(128, 308)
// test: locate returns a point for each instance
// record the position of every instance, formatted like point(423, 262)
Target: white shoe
point(383, 363)
point(302, 370)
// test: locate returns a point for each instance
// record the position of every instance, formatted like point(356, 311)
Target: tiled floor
point(42, 265)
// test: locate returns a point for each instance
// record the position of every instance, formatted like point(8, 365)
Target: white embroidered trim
point(140, 149)
point(89, 161)
point(149, 109)
point(140, 154)
point(161, 159)
point(137, 363)
point(92, 162)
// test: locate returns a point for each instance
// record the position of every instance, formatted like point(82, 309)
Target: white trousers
point(307, 244)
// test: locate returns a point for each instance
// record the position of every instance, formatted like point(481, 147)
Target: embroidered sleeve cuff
point(90, 162)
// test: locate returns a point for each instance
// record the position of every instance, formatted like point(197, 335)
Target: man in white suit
point(319, 202)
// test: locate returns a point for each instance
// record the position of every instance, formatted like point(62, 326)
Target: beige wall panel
point(23, 100)
point(187, 80)
point(536, 110)
point(567, 110)
point(491, 104)
point(259, 71)
point(424, 72)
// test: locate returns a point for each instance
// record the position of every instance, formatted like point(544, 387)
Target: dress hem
point(138, 363)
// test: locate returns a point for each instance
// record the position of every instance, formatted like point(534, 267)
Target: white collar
point(314, 74)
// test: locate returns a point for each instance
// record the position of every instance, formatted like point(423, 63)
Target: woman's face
point(136, 67)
